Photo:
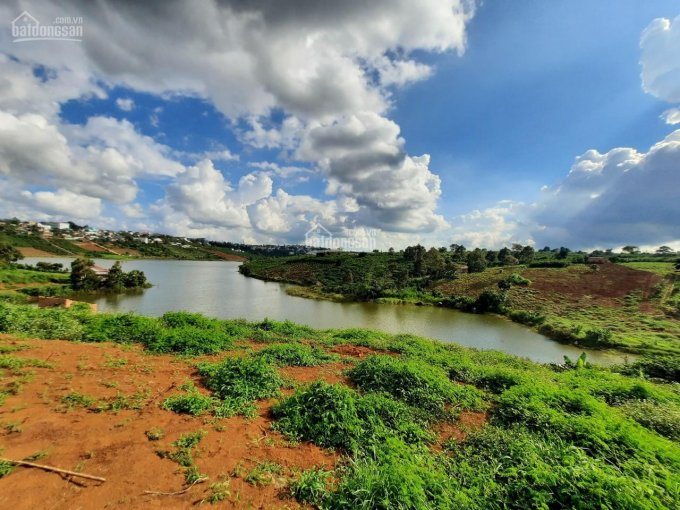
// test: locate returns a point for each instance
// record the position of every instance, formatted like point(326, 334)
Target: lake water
point(217, 289)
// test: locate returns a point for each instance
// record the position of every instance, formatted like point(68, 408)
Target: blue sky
point(438, 121)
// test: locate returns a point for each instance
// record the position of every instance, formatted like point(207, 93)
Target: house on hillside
point(100, 271)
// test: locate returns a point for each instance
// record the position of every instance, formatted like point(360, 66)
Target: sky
point(439, 121)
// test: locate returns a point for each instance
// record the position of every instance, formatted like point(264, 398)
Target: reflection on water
point(217, 289)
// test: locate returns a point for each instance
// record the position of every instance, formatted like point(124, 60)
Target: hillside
point(184, 410)
point(627, 306)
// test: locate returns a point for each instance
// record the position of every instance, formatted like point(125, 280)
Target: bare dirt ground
point(113, 445)
point(609, 283)
point(35, 252)
point(227, 256)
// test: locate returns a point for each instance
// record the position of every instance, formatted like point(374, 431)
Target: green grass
point(570, 436)
point(295, 355)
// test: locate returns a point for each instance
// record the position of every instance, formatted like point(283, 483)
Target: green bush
point(394, 476)
point(299, 355)
point(335, 416)
point(191, 402)
point(415, 383)
point(242, 379)
point(52, 323)
point(498, 469)
point(311, 487)
point(658, 366)
point(323, 413)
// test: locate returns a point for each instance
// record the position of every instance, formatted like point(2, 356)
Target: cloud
point(660, 59)
point(671, 116)
point(125, 104)
point(206, 198)
point(314, 62)
point(619, 197)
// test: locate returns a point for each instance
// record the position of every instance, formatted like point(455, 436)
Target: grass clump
point(333, 415)
point(415, 383)
point(191, 402)
point(239, 381)
point(297, 355)
point(264, 474)
point(311, 486)
point(499, 468)
point(14, 363)
point(184, 455)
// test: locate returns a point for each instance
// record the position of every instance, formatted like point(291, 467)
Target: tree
point(9, 254)
point(476, 261)
point(526, 255)
point(506, 258)
point(434, 262)
point(458, 252)
point(135, 279)
point(563, 252)
point(631, 249)
point(115, 279)
point(664, 250)
point(83, 276)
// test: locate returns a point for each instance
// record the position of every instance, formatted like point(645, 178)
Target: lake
point(217, 289)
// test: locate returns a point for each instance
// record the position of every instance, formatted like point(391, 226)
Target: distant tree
point(664, 250)
point(545, 249)
point(414, 253)
point(391, 251)
point(83, 276)
point(506, 258)
point(630, 249)
point(491, 257)
point(526, 255)
point(434, 262)
point(476, 261)
point(458, 252)
point(563, 252)
point(9, 253)
point(115, 278)
point(135, 279)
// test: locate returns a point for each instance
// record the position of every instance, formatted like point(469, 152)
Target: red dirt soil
point(610, 281)
point(114, 445)
point(227, 256)
point(35, 252)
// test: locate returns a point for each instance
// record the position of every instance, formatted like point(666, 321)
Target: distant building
point(99, 270)
point(54, 225)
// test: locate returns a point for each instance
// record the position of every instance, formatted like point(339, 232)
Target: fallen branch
point(50, 468)
point(176, 493)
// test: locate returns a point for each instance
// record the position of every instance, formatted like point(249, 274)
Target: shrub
point(659, 366)
point(414, 382)
point(323, 413)
point(299, 355)
point(490, 301)
point(311, 487)
point(498, 468)
point(40, 323)
point(242, 379)
point(191, 402)
point(526, 317)
point(123, 328)
point(395, 476)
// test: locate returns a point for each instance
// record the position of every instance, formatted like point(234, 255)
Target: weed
point(299, 355)
point(191, 402)
point(219, 491)
point(154, 434)
point(311, 486)
point(264, 474)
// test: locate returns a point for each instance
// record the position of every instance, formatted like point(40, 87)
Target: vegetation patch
point(295, 355)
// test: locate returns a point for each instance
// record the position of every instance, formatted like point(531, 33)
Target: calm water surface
point(217, 289)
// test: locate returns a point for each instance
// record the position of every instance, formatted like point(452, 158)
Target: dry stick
point(177, 493)
point(50, 468)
